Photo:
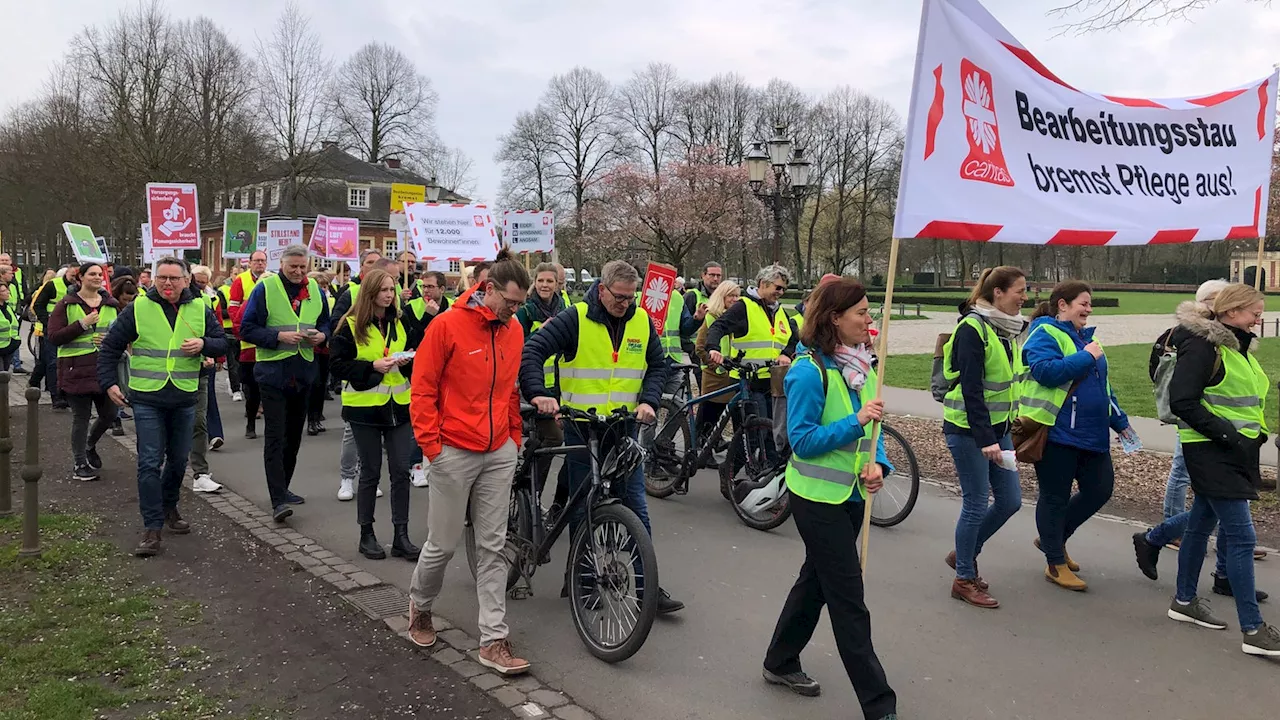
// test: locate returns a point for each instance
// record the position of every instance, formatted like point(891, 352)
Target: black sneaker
point(85, 473)
point(95, 460)
point(1147, 555)
point(667, 604)
point(797, 682)
point(281, 513)
point(293, 499)
point(250, 433)
point(117, 430)
point(1222, 586)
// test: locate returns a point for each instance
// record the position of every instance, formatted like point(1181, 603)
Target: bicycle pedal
point(681, 488)
point(521, 593)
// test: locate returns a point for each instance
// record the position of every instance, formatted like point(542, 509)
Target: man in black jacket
point(164, 417)
point(611, 303)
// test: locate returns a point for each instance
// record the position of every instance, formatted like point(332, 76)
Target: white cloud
point(490, 59)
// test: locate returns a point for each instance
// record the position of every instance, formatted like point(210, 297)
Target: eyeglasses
point(168, 278)
point(624, 299)
point(512, 304)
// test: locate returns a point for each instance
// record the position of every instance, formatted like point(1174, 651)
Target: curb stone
point(455, 649)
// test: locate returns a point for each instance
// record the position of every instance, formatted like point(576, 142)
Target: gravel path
point(919, 336)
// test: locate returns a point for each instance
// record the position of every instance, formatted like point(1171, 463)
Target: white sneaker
point(379, 492)
point(421, 477)
point(216, 443)
point(237, 397)
point(203, 483)
point(345, 490)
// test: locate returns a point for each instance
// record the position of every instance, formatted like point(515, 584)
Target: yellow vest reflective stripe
point(700, 296)
point(59, 292)
point(763, 341)
point(600, 378)
point(548, 367)
point(832, 476)
point(282, 318)
point(247, 283)
point(1001, 389)
point(8, 328)
point(725, 347)
point(1239, 398)
point(225, 301)
point(671, 330)
point(564, 295)
point(394, 385)
point(157, 356)
point(417, 307)
point(1040, 402)
point(83, 345)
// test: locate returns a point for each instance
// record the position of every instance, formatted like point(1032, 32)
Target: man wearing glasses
point(169, 331)
point(605, 332)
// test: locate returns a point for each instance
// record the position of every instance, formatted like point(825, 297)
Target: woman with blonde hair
point(714, 377)
point(1218, 393)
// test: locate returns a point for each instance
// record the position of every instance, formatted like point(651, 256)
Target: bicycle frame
point(741, 398)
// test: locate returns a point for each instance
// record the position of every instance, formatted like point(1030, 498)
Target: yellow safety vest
point(8, 328)
point(394, 385)
point(247, 283)
point(598, 376)
point(725, 348)
point(764, 341)
point(83, 345)
point(1041, 402)
point(157, 356)
point(225, 299)
point(282, 318)
point(671, 330)
point(1239, 398)
point(832, 476)
point(548, 367)
point(1000, 387)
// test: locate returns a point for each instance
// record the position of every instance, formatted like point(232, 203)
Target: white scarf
point(855, 364)
point(1009, 326)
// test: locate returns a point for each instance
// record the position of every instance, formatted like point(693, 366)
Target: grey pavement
point(1046, 654)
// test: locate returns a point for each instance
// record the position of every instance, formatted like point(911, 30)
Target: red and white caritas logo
point(985, 162)
point(478, 220)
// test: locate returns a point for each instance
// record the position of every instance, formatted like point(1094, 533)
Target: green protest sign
point(84, 243)
point(239, 233)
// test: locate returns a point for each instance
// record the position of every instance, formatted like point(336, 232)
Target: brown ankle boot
point(951, 563)
point(968, 591)
point(1062, 576)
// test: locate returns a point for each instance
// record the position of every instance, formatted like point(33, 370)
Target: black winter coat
point(360, 373)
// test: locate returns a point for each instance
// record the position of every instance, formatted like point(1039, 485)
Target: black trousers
point(252, 393)
point(233, 362)
point(370, 441)
point(315, 409)
point(1058, 512)
point(284, 412)
point(831, 576)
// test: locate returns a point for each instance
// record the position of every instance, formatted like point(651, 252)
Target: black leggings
point(252, 394)
point(82, 437)
point(315, 406)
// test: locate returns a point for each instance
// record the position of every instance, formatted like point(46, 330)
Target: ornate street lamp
point(433, 190)
point(790, 175)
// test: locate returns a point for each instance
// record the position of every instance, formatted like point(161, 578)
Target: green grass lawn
point(1127, 368)
point(1131, 303)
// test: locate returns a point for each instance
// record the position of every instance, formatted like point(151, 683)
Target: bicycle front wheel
point(895, 501)
point(613, 592)
point(666, 458)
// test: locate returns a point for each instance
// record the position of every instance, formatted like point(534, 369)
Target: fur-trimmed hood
point(1198, 320)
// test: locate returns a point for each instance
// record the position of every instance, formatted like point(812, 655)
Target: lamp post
point(790, 178)
point(433, 190)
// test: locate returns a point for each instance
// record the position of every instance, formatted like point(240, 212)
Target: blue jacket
point(805, 431)
point(294, 373)
point(1088, 414)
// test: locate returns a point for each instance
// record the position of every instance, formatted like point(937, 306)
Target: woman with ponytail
point(978, 361)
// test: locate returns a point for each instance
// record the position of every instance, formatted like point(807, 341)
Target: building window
point(358, 198)
point(455, 266)
point(266, 197)
point(259, 194)
point(244, 199)
point(390, 247)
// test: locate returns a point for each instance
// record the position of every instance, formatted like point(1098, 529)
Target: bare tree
point(525, 156)
point(383, 106)
point(716, 114)
point(453, 170)
point(648, 106)
point(877, 161)
point(1112, 14)
point(292, 77)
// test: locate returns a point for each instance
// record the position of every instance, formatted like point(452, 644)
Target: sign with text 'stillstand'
point(239, 233)
point(403, 194)
point(280, 234)
point(174, 213)
point(1000, 149)
point(655, 292)
point(444, 231)
point(526, 231)
point(84, 245)
point(343, 239)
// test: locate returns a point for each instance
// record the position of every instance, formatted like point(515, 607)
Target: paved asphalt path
point(1047, 654)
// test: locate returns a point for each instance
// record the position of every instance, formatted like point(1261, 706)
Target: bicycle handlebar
point(594, 418)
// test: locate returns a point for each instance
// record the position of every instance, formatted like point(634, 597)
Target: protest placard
point(403, 194)
point(148, 249)
point(280, 234)
point(239, 233)
point(318, 246)
point(526, 231)
point(174, 213)
point(342, 236)
point(456, 231)
point(84, 245)
point(655, 298)
point(998, 148)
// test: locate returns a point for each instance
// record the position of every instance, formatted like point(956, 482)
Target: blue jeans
point(577, 467)
point(164, 441)
point(1239, 539)
point(1175, 527)
point(1175, 489)
point(979, 480)
point(213, 416)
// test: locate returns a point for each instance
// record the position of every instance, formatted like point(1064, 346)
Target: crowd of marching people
point(431, 385)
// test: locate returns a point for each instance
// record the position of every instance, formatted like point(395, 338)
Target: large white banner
point(527, 231)
point(1000, 149)
point(443, 231)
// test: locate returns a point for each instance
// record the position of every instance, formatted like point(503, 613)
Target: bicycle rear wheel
point(613, 593)
point(895, 501)
point(747, 451)
point(666, 457)
point(519, 528)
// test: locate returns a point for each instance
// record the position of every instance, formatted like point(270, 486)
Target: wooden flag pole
point(882, 353)
point(1257, 274)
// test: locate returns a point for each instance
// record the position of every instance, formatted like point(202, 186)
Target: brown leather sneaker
point(951, 562)
point(149, 545)
point(175, 523)
point(970, 592)
point(421, 631)
point(497, 656)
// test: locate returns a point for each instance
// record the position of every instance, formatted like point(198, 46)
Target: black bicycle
point(611, 575)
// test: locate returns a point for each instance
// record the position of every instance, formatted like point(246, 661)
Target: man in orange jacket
point(465, 410)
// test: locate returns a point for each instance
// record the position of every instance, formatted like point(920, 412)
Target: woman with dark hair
point(1067, 389)
point(831, 408)
point(978, 363)
point(76, 327)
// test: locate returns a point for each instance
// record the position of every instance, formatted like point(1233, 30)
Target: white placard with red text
point(173, 210)
point(526, 231)
point(280, 234)
point(445, 231)
point(655, 292)
point(1000, 149)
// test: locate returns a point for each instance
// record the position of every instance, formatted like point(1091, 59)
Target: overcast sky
point(490, 59)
